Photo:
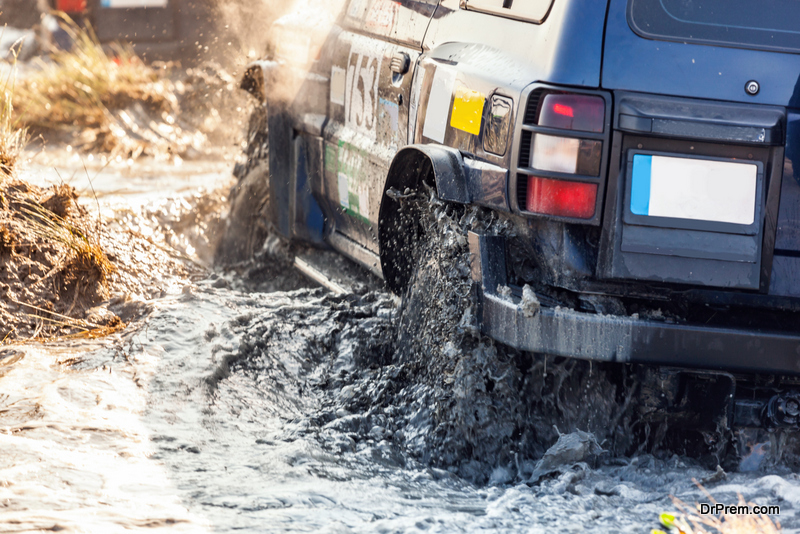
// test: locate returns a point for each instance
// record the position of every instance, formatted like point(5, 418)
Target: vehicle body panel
point(368, 123)
point(616, 287)
point(633, 63)
point(342, 91)
point(565, 49)
point(719, 73)
point(786, 263)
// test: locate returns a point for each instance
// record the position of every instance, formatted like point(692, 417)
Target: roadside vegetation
point(104, 99)
point(82, 90)
point(12, 136)
point(51, 269)
point(689, 520)
point(56, 270)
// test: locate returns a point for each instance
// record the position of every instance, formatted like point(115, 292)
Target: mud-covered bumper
point(590, 336)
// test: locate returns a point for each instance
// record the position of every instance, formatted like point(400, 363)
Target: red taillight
point(562, 109)
point(561, 198)
point(583, 113)
point(71, 6)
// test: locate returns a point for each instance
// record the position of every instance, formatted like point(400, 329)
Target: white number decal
point(361, 88)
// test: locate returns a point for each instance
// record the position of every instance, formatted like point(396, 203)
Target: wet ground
point(235, 405)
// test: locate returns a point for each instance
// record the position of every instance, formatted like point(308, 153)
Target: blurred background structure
point(189, 31)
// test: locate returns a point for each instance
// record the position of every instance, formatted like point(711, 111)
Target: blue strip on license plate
point(698, 189)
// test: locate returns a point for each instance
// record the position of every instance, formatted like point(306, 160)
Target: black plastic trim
point(624, 339)
point(709, 121)
point(627, 340)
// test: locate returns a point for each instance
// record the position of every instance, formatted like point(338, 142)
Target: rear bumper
point(591, 336)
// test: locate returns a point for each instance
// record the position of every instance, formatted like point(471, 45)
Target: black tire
point(246, 228)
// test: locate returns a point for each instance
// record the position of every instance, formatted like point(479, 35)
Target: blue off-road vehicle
point(642, 158)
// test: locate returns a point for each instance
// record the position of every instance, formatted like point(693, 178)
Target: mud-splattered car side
point(641, 178)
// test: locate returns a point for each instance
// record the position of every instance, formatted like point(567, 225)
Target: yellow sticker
point(467, 110)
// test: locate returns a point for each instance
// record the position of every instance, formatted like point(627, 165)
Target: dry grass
point(41, 232)
point(81, 87)
point(52, 265)
point(12, 136)
point(691, 521)
point(87, 252)
point(74, 272)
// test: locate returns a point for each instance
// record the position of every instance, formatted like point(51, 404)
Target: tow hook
point(783, 411)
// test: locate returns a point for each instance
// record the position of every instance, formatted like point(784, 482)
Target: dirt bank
point(64, 272)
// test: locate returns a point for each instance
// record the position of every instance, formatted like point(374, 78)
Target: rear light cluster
point(562, 154)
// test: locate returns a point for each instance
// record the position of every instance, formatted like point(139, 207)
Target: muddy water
point(226, 409)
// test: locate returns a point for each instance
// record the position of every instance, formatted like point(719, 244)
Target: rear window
point(756, 24)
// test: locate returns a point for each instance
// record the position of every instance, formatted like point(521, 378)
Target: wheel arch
point(398, 229)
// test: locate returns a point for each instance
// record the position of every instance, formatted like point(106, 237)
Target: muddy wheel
point(438, 299)
point(246, 229)
point(490, 404)
point(473, 389)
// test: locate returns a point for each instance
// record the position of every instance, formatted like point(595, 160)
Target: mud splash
point(268, 430)
point(486, 408)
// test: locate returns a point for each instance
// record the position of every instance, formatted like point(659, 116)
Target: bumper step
point(588, 336)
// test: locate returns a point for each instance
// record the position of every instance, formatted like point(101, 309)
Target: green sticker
point(352, 181)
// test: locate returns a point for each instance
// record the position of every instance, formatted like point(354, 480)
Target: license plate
point(686, 188)
point(133, 3)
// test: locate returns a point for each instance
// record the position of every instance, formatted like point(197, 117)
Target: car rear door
point(370, 82)
point(699, 177)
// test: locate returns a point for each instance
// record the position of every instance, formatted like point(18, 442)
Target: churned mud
point(483, 410)
point(420, 376)
point(314, 385)
point(243, 399)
